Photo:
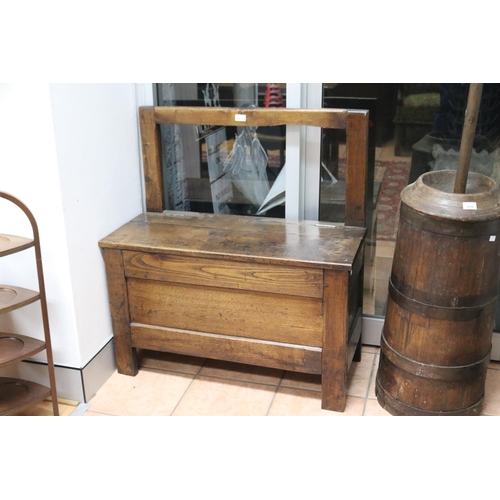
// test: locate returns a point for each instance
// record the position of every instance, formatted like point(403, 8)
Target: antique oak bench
point(271, 292)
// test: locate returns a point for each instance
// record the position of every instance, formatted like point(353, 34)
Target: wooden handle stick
point(468, 132)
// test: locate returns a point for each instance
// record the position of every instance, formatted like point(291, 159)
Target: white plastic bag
point(246, 165)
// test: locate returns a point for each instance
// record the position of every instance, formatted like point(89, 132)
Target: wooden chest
point(270, 292)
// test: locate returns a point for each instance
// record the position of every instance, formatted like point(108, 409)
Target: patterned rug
point(395, 178)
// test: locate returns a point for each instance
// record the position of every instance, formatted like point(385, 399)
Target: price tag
point(470, 205)
point(240, 118)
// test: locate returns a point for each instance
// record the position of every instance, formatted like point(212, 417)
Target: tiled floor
point(184, 386)
point(174, 385)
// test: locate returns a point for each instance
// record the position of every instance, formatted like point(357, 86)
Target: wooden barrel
point(436, 340)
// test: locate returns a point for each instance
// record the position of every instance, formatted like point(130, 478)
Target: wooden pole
point(468, 132)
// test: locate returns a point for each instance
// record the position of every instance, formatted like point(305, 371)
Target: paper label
point(493, 238)
point(470, 205)
point(240, 118)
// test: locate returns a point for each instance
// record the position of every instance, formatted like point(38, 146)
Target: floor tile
point(383, 267)
point(379, 173)
point(373, 380)
point(358, 379)
point(300, 402)
point(368, 305)
point(208, 396)
point(148, 393)
point(169, 361)
point(385, 249)
point(302, 381)
point(372, 349)
point(237, 371)
point(373, 409)
point(494, 365)
point(369, 278)
point(388, 155)
point(381, 295)
point(492, 393)
point(386, 152)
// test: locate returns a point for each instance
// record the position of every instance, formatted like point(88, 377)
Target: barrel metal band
point(447, 227)
point(439, 312)
point(397, 407)
point(434, 372)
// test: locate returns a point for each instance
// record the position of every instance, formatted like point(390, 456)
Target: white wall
point(96, 136)
point(71, 153)
point(29, 171)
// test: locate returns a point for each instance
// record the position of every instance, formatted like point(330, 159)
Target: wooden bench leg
point(126, 358)
point(334, 356)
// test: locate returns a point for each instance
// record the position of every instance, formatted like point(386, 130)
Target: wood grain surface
point(14, 297)
point(240, 238)
point(10, 244)
point(224, 274)
point(355, 122)
point(126, 357)
point(265, 316)
point(271, 292)
point(258, 117)
point(284, 356)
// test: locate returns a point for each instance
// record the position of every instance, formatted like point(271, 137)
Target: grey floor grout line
point(166, 370)
point(375, 356)
point(229, 379)
point(218, 377)
point(275, 393)
point(187, 388)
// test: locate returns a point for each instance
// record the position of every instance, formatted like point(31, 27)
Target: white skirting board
point(372, 331)
point(75, 384)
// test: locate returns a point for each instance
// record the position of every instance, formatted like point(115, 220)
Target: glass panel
point(230, 170)
point(332, 191)
point(414, 128)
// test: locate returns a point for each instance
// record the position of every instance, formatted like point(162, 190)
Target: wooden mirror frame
point(354, 122)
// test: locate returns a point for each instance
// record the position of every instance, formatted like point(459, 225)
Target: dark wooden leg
point(126, 358)
point(334, 357)
point(358, 297)
point(357, 353)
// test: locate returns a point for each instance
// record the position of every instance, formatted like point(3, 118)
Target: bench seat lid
point(241, 238)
